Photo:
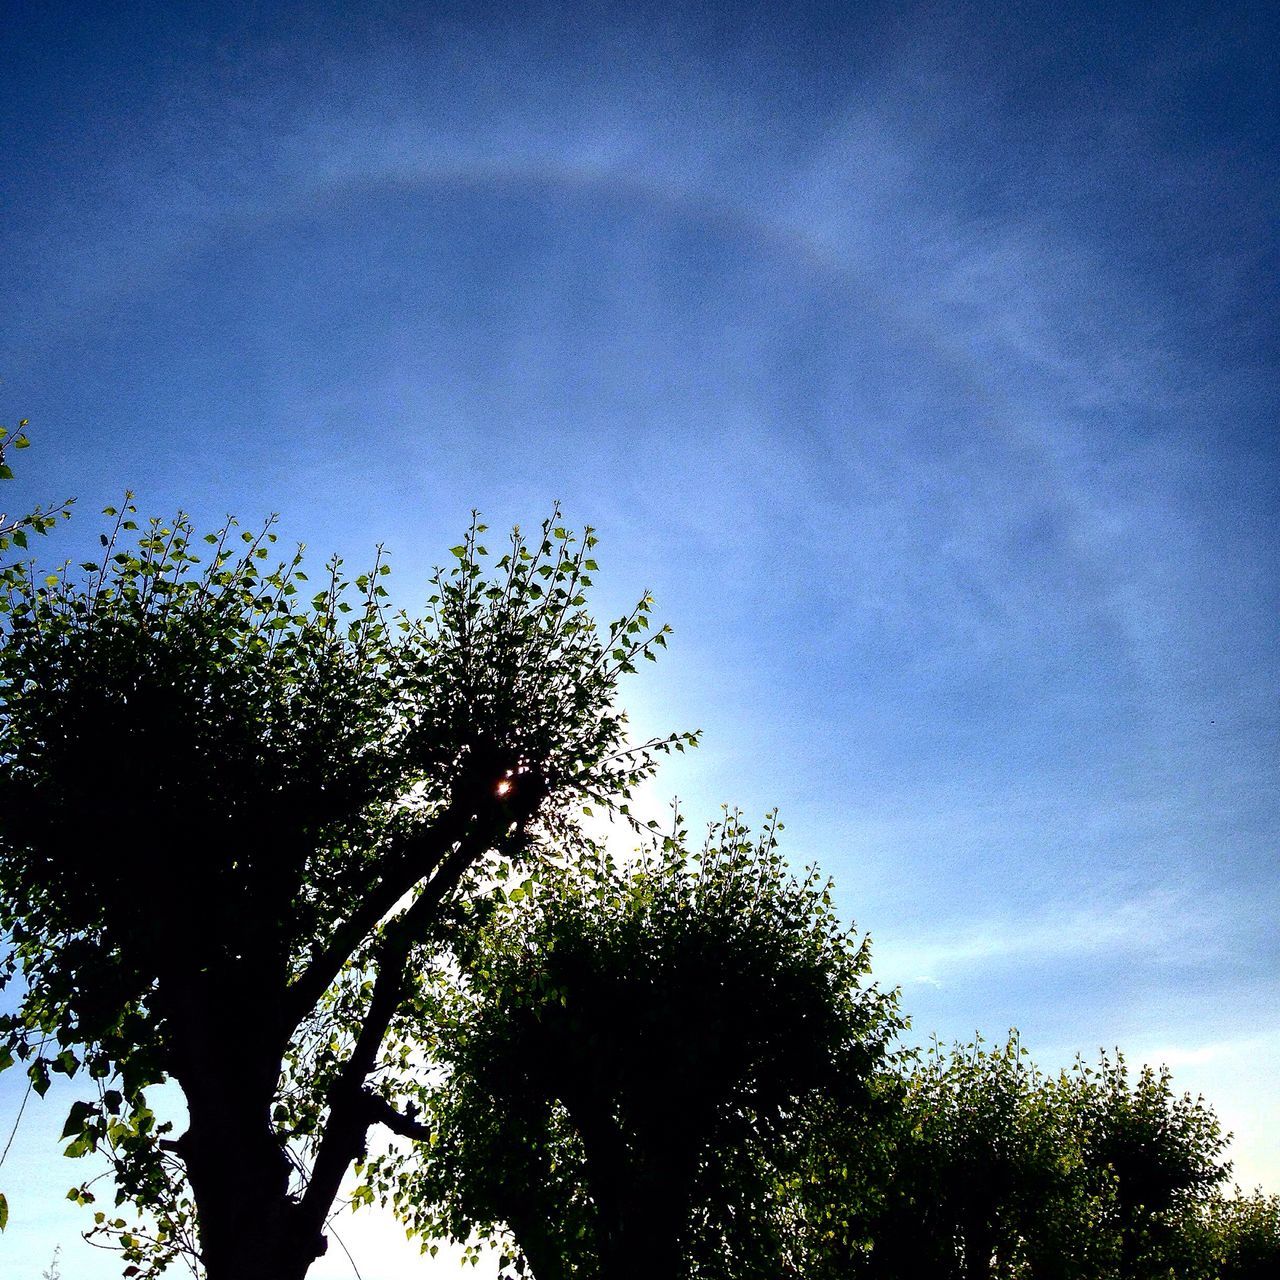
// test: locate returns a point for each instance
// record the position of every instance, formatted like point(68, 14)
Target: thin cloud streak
point(1139, 927)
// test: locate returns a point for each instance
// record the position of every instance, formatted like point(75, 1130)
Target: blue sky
point(921, 359)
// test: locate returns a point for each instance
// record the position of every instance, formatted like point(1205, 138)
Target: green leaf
point(4, 1212)
point(38, 1073)
point(76, 1117)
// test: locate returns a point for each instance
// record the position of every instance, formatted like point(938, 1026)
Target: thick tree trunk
point(642, 1200)
point(232, 1023)
point(249, 1224)
point(979, 1245)
point(648, 1246)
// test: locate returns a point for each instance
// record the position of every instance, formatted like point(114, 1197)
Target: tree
point(962, 1166)
point(978, 1165)
point(627, 1051)
point(228, 807)
point(1152, 1158)
point(1242, 1233)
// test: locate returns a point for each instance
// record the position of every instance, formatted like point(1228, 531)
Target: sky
point(919, 358)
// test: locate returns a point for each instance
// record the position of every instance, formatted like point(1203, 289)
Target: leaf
point(4, 1212)
point(38, 1073)
point(76, 1117)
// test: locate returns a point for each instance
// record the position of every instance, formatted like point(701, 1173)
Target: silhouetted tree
point(1242, 1234)
point(1152, 1158)
point(961, 1162)
point(229, 805)
point(979, 1165)
point(628, 1052)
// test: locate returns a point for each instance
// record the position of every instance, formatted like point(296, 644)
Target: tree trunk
point(979, 1245)
point(642, 1207)
point(249, 1223)
point(230, 1041)
point(543, 1252)
point(648, 1246)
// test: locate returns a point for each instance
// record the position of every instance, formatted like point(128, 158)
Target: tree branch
point(421, 852)
point(406, 1126)
point(349, 1116)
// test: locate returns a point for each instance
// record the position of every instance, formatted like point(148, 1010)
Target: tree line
point(323, 864)
point(677, 1065)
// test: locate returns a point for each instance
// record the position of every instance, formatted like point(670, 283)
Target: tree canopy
point(220, 787)
point(676, 1066)
point(982, 1166)
point(629, 1047)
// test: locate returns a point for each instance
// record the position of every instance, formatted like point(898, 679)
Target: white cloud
point(1138, 925)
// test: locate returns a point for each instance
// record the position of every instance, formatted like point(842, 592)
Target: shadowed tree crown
point(629, 1049)
point(220, 784)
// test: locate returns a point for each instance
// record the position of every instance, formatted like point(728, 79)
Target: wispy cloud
point(1139, 926)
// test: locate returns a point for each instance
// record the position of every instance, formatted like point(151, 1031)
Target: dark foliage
point(630, 1051)
point(219, 791)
